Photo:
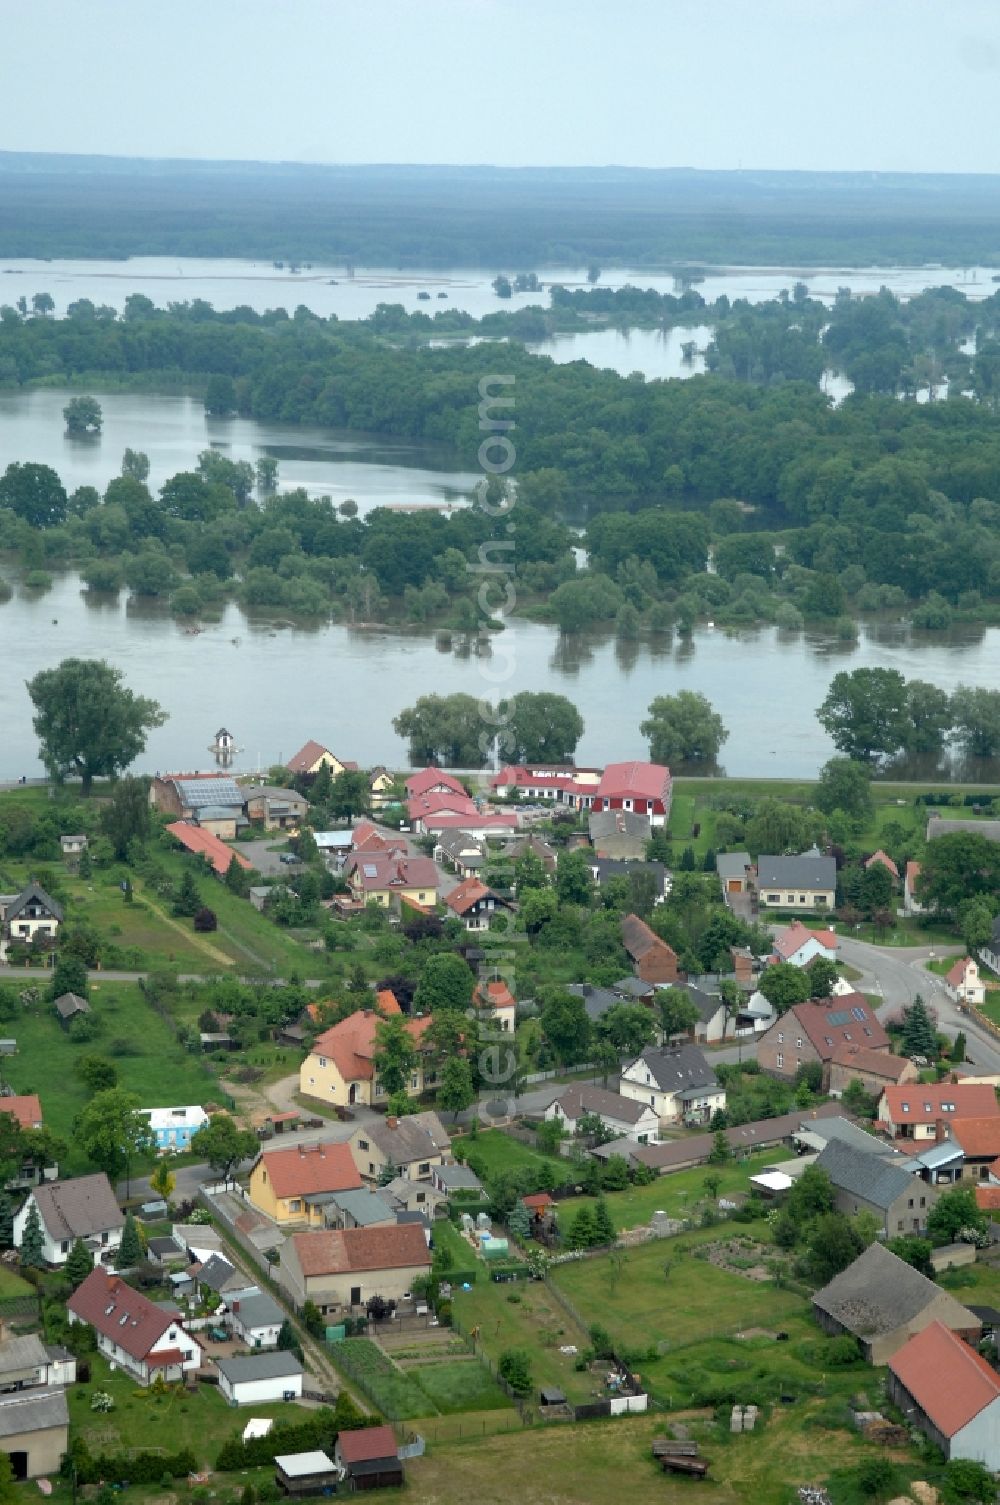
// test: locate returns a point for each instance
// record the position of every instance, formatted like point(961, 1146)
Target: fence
point(19, 1306)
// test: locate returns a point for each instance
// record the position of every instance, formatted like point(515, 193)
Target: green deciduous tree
point(539, 728)
point(34, 493)
point(957, 867)
point(111, 1131)
point(394, 1056)
point(125, 818)
point(784, 985)
point(87, 722)
point(565, 1024)
point(446, 982)
point(683, 728)
point(449, 730)
point(83, 415)
point(821, 974)
point(224, 1144)
point(350, 794)
point(678, 1015)
point(515, 1370)
point(975, 715)
point(953, 1213)
point(97, 1074)
point(845, 784)
point(833, 1245)
point(456, 1092)
point(865, 713)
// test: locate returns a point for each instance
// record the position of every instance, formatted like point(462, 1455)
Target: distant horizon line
point(605, 168)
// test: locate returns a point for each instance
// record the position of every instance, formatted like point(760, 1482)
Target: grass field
point(12, 1285)
point(201, 1421)
point(445, 1388)
point(459, 1385)
point(526, 1315)
point(493, 1151)
point(678, 1194)
point(140, 1044)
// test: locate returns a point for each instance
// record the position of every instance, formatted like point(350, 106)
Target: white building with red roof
point(131, 1332)
point(562, 783)
point(911, 904)
point(644, 788)
point(963, 983)
point(475, 905)
point(950, 1392)
point(494, 998)
point(798, 945)
point(340, 1067)
point(386, 878)
point(433, 781)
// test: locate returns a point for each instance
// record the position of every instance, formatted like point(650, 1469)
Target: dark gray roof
point(633, 987)
point(20, 1353)
point(457, 1178)
point(68, 1004)
point(414, 1137)
point(457, 843)
point(674, 1069)
point(603, 823)
point(583, 1098)
point(270, 1365)
point(938, 825)
point(166, 1248)
point(615, 867)
point(864, 1175)
point(33, 893)
point(33, 1411)
point(216, 1273)
point(880, 1292)
point(256, 1308)
point(805, 871)
point(708, 1004)
point(78, 1208)
point(364, 1206)
point(596, 1001)
point(732, 864)
point(846, 1132)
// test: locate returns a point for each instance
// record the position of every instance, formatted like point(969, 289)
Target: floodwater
point(172, 431)
point(275, 684)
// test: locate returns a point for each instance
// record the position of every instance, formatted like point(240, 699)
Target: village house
point(603, 869)
point(677, 1083)
point(422, 807)
point(882, 859)
point(173, 1128)
point(620, 834)
point(735, 872)
point(339, 1069)
point(276, 809)
point(939, 825)
point(639, 788)
point(536, 846)
point(334, 847)
point(496, 1003)
point(73, 845)
point(922, 1111)
point(366, 1208)
point(131, 1332)
point(990, 953)
point(476, 905)
point(485, 825)
point(27, 917)
point(341, 1270)
point(452, 1180)
point(313, 756)
point(626, 1117)
point(798, 945)
point(84, 1207)
point(218, 1275)
point(963, 983)
point(911, 903)
point(463, 853)
point(367, 838)
point(883, 1302)
point(950, 1392)
point(26, 1363)
point(204, 844)
point(563, 783)
point(433, 781)
point(26, 1111)
point(34, 1431)
point(874, 1069)
point(652, 959)
point(979, 1141)
point(386, 878)
point(259, 1379)
point(213, 801)
point(865, 1181)
point(412, 1146)
point(808, 881)
point(381, 787)
point(369, 1458)
point(292, 1185)
point(812, 1032)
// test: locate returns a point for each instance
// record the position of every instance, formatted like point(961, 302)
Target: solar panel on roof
point(839, 1018)
point(859, 1014)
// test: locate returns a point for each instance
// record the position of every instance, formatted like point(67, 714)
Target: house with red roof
point(812, 1032)
point(644, 788)
point(653, 960)
point(369, 1458)
point(495, 999)
point(874, 1069)
point(882, 859)
point(963, 983)
point(950, 1392)
point(384, 878)
point(294, 1185)
point(131, 1332)
point(798, 945)
point(925, 1112)
point(482, 825)
point(475, 905)
point(340, 1067)
point(979, 1139)
point(197, 839)
point(421, 807)
point(433, 781)
point(911, 904)
point(313, 756)
point(562, 783)
point(342, 1269)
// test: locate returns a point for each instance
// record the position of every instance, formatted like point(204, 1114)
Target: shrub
point(205, 919)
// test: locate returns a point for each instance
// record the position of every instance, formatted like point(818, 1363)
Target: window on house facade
point(773, 899)
point(779, 1059)
point(781, 1037)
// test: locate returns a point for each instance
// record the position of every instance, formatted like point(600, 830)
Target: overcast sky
point(909, 85)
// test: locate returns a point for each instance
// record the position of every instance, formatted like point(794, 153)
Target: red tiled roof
point(387, 1001)
point(824, 1035)
point(306, 756)
point(870, 1062)
point(379, 871)
point(27, 1110)
point(921, 1103)
point(366, 1444)
point(388, 1246)
point(495, 994)
point(305, 1169)
point(949, 1381)
point(646, 781)
point(912, 874)
point(639, 940)
point(497, 820)
point(795, 936)
point(885, 860)
point(198, 840)
point(538, 1200)
point(350, 1044)
point(432, 778)
point(466, 895)
point(988, 1197)
point(118, 1312)
point(956, 973)
point(563, 777)
point(421, 805)
point(978, 1136)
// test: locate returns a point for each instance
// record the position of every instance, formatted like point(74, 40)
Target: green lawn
point(493, 1150)
point(526, 1315)
point(459, 1385)
point(138, 1041)
point(201, 1421)
point(680, 1194)
point(13, 1285)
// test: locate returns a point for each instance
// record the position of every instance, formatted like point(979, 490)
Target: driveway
point(266, 862)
